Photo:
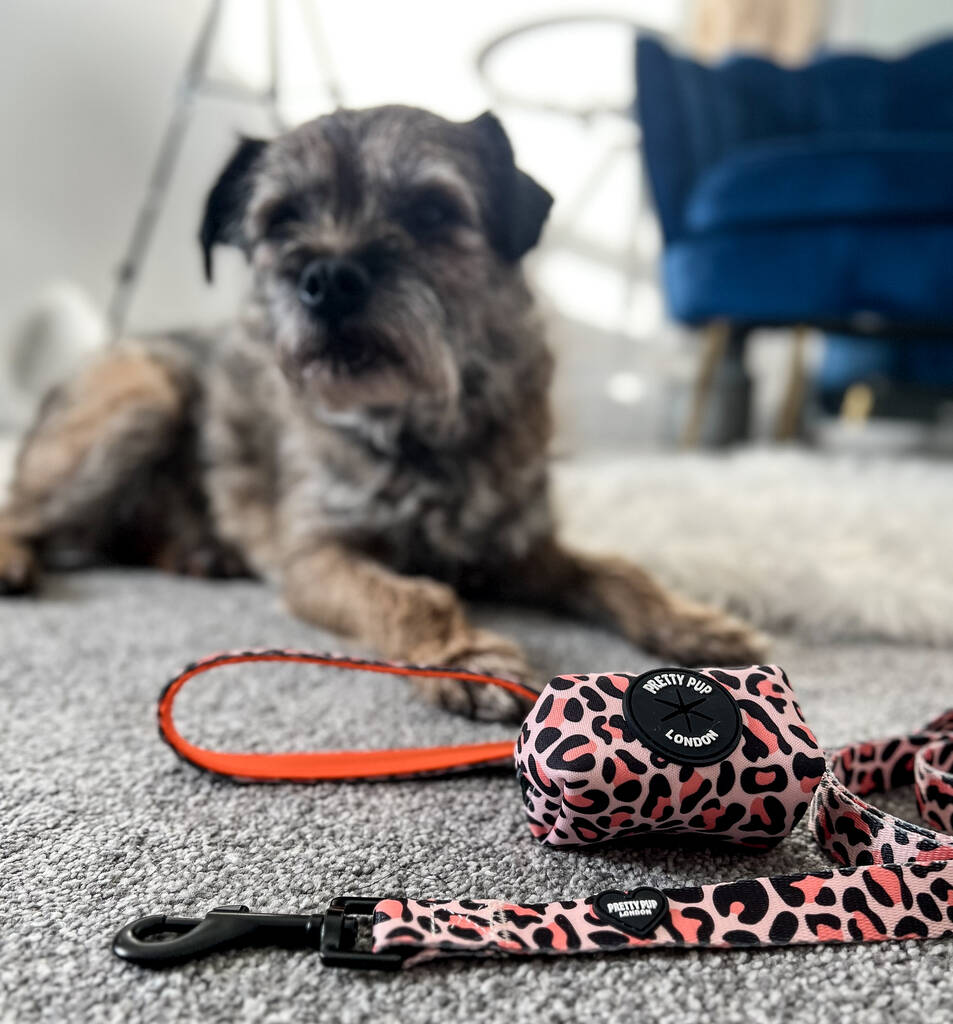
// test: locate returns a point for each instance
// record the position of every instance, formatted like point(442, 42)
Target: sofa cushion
point(832, 274)
point(862, 177)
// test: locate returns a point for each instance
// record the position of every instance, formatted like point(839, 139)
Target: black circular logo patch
point(683, 716)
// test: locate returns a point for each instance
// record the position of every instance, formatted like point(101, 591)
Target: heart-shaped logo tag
point(638, 912)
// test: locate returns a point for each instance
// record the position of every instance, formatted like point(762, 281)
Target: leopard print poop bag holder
point(722, 755)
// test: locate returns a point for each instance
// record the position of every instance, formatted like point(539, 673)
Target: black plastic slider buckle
point(163, 941)
point(339, 936)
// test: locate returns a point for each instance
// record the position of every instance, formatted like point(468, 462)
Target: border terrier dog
point(371, 432)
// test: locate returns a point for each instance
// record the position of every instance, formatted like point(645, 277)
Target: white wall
point(87, 89)
point(889, 25)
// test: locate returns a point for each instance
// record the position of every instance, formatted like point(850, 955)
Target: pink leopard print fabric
point(853, 831)
point(852, 905)
point(899, 884)
point(933, 772)
point(587, 777)
point(586, 780)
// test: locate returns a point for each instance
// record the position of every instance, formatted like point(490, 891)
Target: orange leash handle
point(326, 765)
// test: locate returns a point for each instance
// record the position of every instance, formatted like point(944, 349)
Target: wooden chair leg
point(858, 404)
point(713, 352)
point(792, 405)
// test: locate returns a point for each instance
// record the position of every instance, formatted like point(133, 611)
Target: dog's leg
point(18, 563)
point(409, 618)
point(90, 437)
point(618, 594)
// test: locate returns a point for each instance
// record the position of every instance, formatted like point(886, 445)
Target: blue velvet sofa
point(821, 195)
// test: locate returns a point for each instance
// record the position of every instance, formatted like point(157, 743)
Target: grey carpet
point(99, 823)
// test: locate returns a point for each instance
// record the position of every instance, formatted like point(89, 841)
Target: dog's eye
point(281, 218)
point(429, 213)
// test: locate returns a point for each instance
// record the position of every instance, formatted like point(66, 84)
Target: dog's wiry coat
point(374, 464)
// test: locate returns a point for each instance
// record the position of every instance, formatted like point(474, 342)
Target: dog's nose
point(333, 288)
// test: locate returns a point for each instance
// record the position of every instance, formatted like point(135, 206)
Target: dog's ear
point(225, 206)
point(518, 206)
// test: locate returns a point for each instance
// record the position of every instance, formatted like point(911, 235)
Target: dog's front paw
point(698, 635)
point(18, 568)
point(488, 654)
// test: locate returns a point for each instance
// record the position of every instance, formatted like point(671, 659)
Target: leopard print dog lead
point(895, 879)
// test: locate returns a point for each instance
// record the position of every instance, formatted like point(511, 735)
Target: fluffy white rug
point(829, 548)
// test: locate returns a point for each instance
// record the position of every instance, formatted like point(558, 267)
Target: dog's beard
point(395, 355)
